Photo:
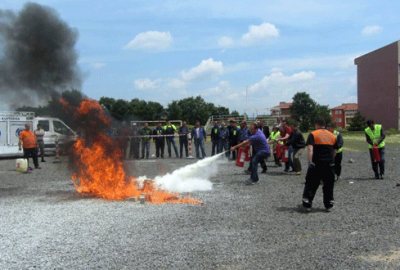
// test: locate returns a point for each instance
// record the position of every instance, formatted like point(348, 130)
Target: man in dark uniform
point(183, 132)
point(215, 138)
point(264, 129)
point(170, 130)
point(159, 140)
point(224, 140)
point(233, 137)
point(321, 151)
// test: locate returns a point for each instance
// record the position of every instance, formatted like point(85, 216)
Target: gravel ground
point(45, 224)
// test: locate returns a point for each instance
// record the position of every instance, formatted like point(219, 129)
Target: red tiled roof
point(347, 107)
point(283, 106)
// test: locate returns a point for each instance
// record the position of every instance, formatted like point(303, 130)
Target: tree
point(357, 123)
point(303, 110)
point(322, 111)
point(235, 113)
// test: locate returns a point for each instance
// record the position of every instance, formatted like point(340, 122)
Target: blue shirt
point(259, 142)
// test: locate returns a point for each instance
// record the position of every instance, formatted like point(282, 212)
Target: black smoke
point(38, 59)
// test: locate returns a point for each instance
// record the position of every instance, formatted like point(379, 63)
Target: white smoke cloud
point(193, 177)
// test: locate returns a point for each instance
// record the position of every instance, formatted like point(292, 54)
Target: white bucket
point(21, 164)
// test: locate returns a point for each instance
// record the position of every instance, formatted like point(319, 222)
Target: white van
point(12, 123)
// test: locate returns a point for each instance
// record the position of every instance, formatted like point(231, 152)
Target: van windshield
point(59, 127)
point(44, 124)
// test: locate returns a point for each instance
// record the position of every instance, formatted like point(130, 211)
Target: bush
point(357, 123)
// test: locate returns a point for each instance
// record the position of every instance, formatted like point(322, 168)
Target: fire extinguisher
point(375, 154)
point(247, 151)
point(285, 157)
point(241, 157)
point(279, 151)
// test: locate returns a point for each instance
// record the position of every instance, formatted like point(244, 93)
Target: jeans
point(199, 143)
point(215, 145)
point(290, 162)
point(169, 141)
point(147, 146)
point(380, 163)
point(160, 144)
point(224, 145)
point(41, 147)
point(257, 158)
point(31, 152)
point(296, 159)
point(325, 173)
point(183, 143)
point(338, 163)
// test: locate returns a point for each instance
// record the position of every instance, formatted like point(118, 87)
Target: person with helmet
point(375, 135)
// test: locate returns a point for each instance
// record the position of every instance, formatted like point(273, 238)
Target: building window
point(338, 112)
point(338, 120)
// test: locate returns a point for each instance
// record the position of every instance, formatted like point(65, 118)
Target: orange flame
point(100, 171)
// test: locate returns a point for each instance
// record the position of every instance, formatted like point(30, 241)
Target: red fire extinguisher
point(375, 154)
point(241, 157)
point(285, 157)
point(247, 151)
point(279, 151)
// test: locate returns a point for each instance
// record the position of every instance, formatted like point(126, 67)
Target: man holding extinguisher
point(285, 133)
point(261, 147)
point(375, 135)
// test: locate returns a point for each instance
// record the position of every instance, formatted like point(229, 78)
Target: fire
point(100, 169)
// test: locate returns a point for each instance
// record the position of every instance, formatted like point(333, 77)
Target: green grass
point(356, 141)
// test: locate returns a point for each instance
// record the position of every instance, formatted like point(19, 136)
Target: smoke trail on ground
point(193, 177)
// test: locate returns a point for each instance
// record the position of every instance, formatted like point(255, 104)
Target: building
point(378, 85)
point(282, 110)
point(341, 115)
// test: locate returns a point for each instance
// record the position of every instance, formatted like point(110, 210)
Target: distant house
point(341, 115)
point(282, 110)
point(378, 85)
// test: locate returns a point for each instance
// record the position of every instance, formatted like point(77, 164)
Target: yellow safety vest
point(275, 135)
point(374, 136)
point(336, 133)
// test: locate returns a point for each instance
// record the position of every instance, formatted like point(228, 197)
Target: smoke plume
point(37, 56)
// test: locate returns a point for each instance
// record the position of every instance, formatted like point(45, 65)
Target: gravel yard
point(46, 224)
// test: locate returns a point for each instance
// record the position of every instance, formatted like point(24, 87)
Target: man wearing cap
point(27, 140)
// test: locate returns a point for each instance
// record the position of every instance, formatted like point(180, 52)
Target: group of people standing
point(324, 155)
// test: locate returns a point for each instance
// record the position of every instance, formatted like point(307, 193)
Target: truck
point(12, 123)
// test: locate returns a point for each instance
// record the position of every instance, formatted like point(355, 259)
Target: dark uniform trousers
point(324, 173)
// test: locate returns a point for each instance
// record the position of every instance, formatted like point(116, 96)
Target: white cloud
point(258, 33)
point(206, 69)
point(175, 83)
point(371, 30)
point(98, 65)
point(221, 88)
point(225, 42)
point(143, 84)
point(279, 79)
point(151, 40)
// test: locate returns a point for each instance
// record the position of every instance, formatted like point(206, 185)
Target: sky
point(244, 55)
